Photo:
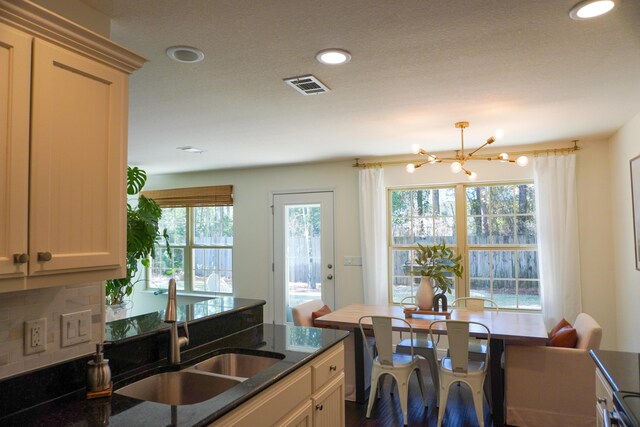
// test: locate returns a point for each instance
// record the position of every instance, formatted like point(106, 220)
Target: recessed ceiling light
point(185, 54)
point(591, 8)
point(190, 149)
point(333, 56)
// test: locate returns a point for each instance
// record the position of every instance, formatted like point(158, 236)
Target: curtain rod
point(534, 153)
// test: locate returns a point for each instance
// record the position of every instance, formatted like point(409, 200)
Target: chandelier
point(458, 162)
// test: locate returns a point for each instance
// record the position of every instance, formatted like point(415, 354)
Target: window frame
point(462, 286)
point(188, 249)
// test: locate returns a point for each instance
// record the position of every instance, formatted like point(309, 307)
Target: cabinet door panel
point(78, 160)
point(15, 84)
point(328, 404)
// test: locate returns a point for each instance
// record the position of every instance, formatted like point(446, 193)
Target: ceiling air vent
point(307, 85)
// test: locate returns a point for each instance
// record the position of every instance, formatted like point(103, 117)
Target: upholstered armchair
point(553, 386)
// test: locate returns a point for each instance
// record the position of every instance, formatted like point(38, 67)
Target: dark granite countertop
point(298, 344)
point(144, 324)
point(621, 369)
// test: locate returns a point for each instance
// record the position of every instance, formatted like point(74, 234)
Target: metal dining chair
point(458, 367)
point(477, 347)
point(422, 347)
point(386, 362)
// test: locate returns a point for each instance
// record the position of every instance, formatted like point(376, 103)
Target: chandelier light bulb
point(411, 168)
point(415, 148)
point(472, 176)
point(503, 157)
point(522, 161)
point(499, 133)
point(456, 167)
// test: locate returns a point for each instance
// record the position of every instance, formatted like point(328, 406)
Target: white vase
point(424, 294)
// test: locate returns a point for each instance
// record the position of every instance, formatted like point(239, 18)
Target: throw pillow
point(561, 324)
point(319, 313)
point(565, 337)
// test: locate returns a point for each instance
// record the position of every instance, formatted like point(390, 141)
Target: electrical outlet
point(35, 336)
point(75, 328)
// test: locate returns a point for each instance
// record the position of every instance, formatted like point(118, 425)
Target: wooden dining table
point(505, 326)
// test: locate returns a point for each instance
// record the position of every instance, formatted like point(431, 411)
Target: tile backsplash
point(50, 303)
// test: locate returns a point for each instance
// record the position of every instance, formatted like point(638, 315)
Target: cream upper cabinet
point(63, 103)
point(15, 86)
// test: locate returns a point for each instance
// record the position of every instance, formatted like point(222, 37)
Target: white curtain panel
point(558, 240)
point(373, 236)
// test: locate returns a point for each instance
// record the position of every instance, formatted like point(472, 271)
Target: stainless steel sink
point(178, 388)
point(237, 364)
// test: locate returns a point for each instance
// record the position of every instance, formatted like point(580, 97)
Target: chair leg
point(478, 401)
point(375, 377)
point(403, 391)
point(423, 389)
point(442, 407)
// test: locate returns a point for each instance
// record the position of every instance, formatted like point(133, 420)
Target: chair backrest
point(302, 313)
point(589, 332)
point(383, 334)
point(474, 303)
point(458, 337)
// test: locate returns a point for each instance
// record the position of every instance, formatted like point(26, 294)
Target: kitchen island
point(298, 348)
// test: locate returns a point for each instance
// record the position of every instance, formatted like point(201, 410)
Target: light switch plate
point(35, 336)
point(75, 328)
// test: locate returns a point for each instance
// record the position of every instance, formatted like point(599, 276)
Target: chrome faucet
point(175, 341)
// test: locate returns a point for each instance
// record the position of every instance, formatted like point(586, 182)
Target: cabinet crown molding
point(38, 21)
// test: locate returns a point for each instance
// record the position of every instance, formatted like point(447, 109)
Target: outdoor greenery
point(436, 261)
point(500, 227)
point(201, 241)
point(142, 234)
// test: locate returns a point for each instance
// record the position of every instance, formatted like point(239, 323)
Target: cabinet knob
point(333, 368)
point(44, 256)
point(20, 258)
point(602, 400)
point(319, 407)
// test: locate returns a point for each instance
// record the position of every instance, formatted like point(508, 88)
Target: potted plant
point(435, 263)
point(142, 235)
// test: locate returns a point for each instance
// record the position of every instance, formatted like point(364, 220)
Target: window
point(425, 216)
point(496, 231)
point(201, 240)
point(199, 222)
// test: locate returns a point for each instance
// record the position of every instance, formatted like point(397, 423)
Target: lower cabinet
point(328, 404)
point(604, 398)
point(312, 396)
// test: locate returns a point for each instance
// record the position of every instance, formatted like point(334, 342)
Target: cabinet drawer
point(327, 366)
point(269, 406)
point(604, 394)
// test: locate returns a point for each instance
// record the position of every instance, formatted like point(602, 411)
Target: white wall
point(79, 13)
point(252, 219)
point(624, 146)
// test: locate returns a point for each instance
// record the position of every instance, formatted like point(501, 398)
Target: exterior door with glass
point(303, 259)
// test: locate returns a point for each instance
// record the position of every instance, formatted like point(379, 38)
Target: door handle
point(329, 276)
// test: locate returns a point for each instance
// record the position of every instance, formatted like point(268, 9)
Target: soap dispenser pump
point(98, 375)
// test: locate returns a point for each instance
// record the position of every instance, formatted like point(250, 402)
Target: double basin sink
point(201, 381)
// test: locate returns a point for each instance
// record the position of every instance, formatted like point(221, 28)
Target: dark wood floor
point(387, 413)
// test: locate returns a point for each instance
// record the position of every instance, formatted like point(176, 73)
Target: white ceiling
point(417, 67)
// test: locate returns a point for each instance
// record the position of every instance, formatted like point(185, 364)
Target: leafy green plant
point(436, 261)
point(142, 235)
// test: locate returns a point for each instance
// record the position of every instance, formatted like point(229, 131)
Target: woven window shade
point(219, 195)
